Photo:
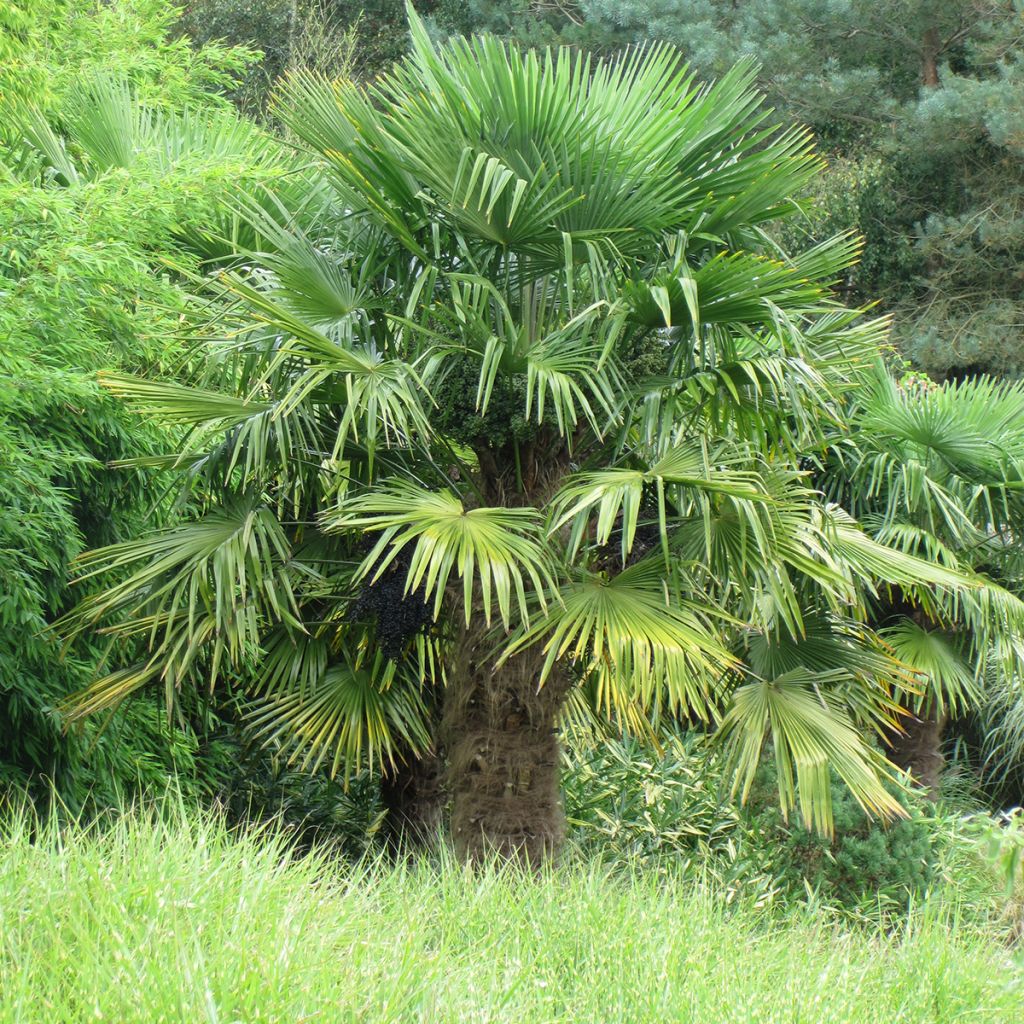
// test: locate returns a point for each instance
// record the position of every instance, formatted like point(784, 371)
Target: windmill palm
point(527, 422)
point(936, 470)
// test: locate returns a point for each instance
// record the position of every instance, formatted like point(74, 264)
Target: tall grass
point(159, 918)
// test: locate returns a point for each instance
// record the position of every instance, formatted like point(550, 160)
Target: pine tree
point(917, 103)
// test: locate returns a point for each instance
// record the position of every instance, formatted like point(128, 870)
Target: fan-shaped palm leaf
point(617, 495)
point(195, 591)
point(811, 736)
point(354, 712)
point(949, 683)
point(498, 550)
point(637, 644)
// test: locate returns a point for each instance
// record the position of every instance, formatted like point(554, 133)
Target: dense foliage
point(113, 188)
point(670, 806)
point(77, 298)
point(284, 36)
point(917, 105)
point(632, 521)
point(83, 225)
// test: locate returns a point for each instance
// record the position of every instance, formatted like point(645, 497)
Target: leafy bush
point(862, 193)
point(866, 863)
point(257, 788)
point(264, 26)
point(628, 801)
point(54, 44)
point(79, 296)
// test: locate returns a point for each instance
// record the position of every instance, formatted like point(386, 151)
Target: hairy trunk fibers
point(918, 749)
point(503, 755)
point(414, 798)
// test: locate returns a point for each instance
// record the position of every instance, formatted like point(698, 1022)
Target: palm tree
point(936, 470)
point(524, 425)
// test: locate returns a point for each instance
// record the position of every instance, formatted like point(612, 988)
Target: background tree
point(283, 36)
point(914, 102)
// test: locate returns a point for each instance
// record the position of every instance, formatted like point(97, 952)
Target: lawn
point(177, 920)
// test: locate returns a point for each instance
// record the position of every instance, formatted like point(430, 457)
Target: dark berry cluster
point(399, 616)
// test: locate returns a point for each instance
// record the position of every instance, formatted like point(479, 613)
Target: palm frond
point(228, 431)
point(498, 551)
point(380, 397)
point(362, 709)
point(193, 592)
point(114, 128)
point(870, 560)
point(949, 683)
point(636, 642)
point(741, 288)
point(45, 141)
point(811, 735)
point(617, 495)
point(178, 403)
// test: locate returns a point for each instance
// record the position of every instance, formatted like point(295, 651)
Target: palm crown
point(523, 413)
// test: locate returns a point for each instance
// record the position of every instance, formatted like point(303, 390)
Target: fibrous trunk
point(503, 756)
point(413, 795)
point(918, 749)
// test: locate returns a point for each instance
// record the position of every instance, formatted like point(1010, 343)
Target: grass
point(174, 919)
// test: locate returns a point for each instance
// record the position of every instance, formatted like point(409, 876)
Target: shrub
point(865, 863)
point(631, 801)
point(49, 46)
point(78, 296)
point(264, 26)
point(255, 788)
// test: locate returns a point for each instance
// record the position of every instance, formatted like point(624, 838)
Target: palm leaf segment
point(494, 551)
point(621, 486)
point(198, 594)
point(337, 709)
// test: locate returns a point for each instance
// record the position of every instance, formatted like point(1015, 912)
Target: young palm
point(525, 422)
point(936, 470)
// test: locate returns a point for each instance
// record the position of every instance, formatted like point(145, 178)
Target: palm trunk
point(503, 756)
point(918, 749)
point(414, 798)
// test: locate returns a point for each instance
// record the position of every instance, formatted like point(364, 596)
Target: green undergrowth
point(172, 917)
point(671, 804)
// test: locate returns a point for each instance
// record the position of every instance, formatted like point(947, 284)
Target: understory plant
point(666, 806)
